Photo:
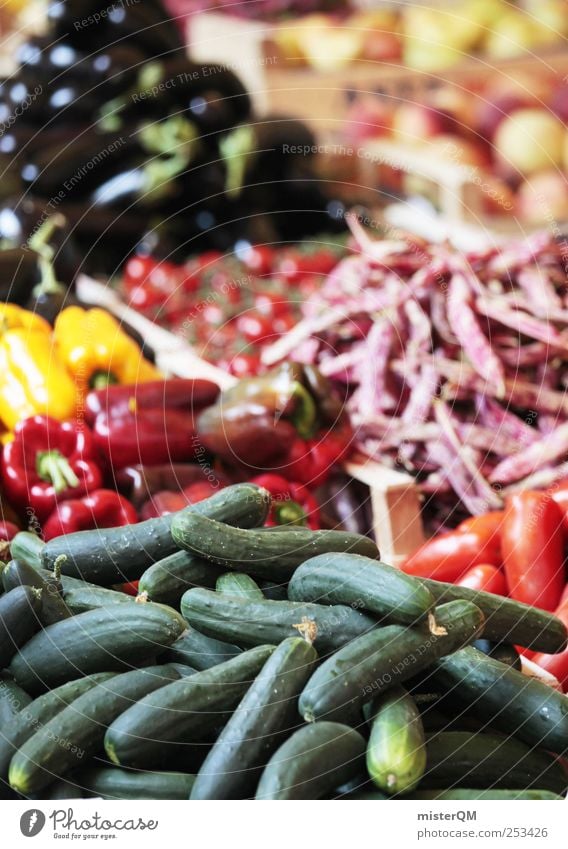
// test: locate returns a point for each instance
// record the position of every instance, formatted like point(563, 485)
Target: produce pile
point(454, 363)
point(228, 307)
point(107, 122)
point(172, 695)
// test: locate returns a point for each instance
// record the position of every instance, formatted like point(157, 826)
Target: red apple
point(490, 113)
point(543, 198)
point(368, 117)
point(559, 102)
point(414, 122)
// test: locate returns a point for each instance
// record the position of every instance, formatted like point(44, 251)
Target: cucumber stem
point(435, 629)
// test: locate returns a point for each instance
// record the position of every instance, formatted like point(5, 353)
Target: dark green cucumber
point(41, 710)
point(537, 713)
point(339, 578)
point(253, 623)
point(115, 783)
point(161, 724)
point(52, 608)
point(19, 620)
point(271, 556)
point(274, 592)
point(199, 651)
point(378, 660)
point(168, 579)
point(313, 762)
point(89, 597)
point(27, 547)
point(500, 651)
point(264, 718)
point(488, 761)
point(240, 585)
point(101, 640)
point(12, 700)
point(115, 555)
point(60, 789)
point(396, 752)
point(467, 795)
point(508, 621)
point(77, 732)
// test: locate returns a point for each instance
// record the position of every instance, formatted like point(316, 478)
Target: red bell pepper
point(292, 503)
point(165, 502)
point(310, 461)
point(557, 664)
point(447, 556)
point(532, 540)
point(139, 483)
point(174, 394)
point(103, 508)
point(8, 531)
point(49, 461)
point(484, 577)
point(148, 437)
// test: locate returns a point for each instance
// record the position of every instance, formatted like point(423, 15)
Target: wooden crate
point(284, 86)
point(395, 500)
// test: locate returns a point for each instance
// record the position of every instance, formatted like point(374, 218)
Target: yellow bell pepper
point(32, 379)
point(97, 351)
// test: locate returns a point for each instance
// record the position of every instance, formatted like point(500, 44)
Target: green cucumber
point(508, 621)
point(199, 651)
point(500, 651)
point(252, 623)
point(27, 547)
point(468, 795)
point(52, 608)
point(396, 752)
point(537, 713)
point(378, 660)
point(263, 719)
point(239, 585)
point(78, 731)
point(101, 640)
point(168, 579)
point(262, 555)
point(114, 555)
point(488, 761)
point(274, 592)
point(352, 579)
point(19, 620)
point(114, 783)
point(12, 700)
point(32, 717)
point(313, 762)
point(90, 596)
point(163, 723)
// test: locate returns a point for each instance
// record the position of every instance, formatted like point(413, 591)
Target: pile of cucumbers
point(266, 663)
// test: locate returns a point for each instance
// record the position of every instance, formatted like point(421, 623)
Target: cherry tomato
point(254, 327)
point(284, 323)
point(484, 577)
point(242, 365)
point(271, 304)
point(259, 259)
point(532, 539)
point(213, 315)
point(142, 270)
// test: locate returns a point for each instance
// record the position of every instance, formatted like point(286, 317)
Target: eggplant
point(19, 273)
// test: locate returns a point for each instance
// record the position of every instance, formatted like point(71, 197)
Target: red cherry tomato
point(484, 577)
point(242, 365)
point(259, 259)
point(254, 327)
point(271, 304)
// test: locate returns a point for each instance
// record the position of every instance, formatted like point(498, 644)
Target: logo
point(32, 822)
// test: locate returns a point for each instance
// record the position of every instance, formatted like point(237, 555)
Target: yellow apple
point(529, 140)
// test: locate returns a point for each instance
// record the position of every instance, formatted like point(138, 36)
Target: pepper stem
point(289, 513)
point(304, 415)
point(54, 468)
point(102, 379)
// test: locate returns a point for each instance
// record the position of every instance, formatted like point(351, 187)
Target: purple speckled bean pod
point(550, 448)
point(521, 322)
point(493, 416)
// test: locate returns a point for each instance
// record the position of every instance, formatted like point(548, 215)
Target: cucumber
point(274, 592)
point(262, 555)
point(199, 651)
point(101, 640)
point(12, 700)
point(27, 547)
point(264, 718)
point(115, 555)
point(59, 790)
point(488, 761)
point(52, 608)
point(89, 597)
point(467, 795)
point(19, 620)
point(161, 724)
point(508, 699)
point(35, 715)
point(114, 783)
point(252, 623)
point(500, 651)
point(396, 752)
point(239, 585)
point(168, 579)
point(371, 585)
point(78, 731)
point(508, 621)
point(313, 762)
point(378, 660)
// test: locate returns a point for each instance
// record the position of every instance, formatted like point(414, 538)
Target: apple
point(453, 148)
point(382, 47)
point(369, 117)
point(559, 102)
point(328, 46)
point(543, 197)
point(490, 113)
point(513, 34)
point(414, 122)
point(529, 140)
